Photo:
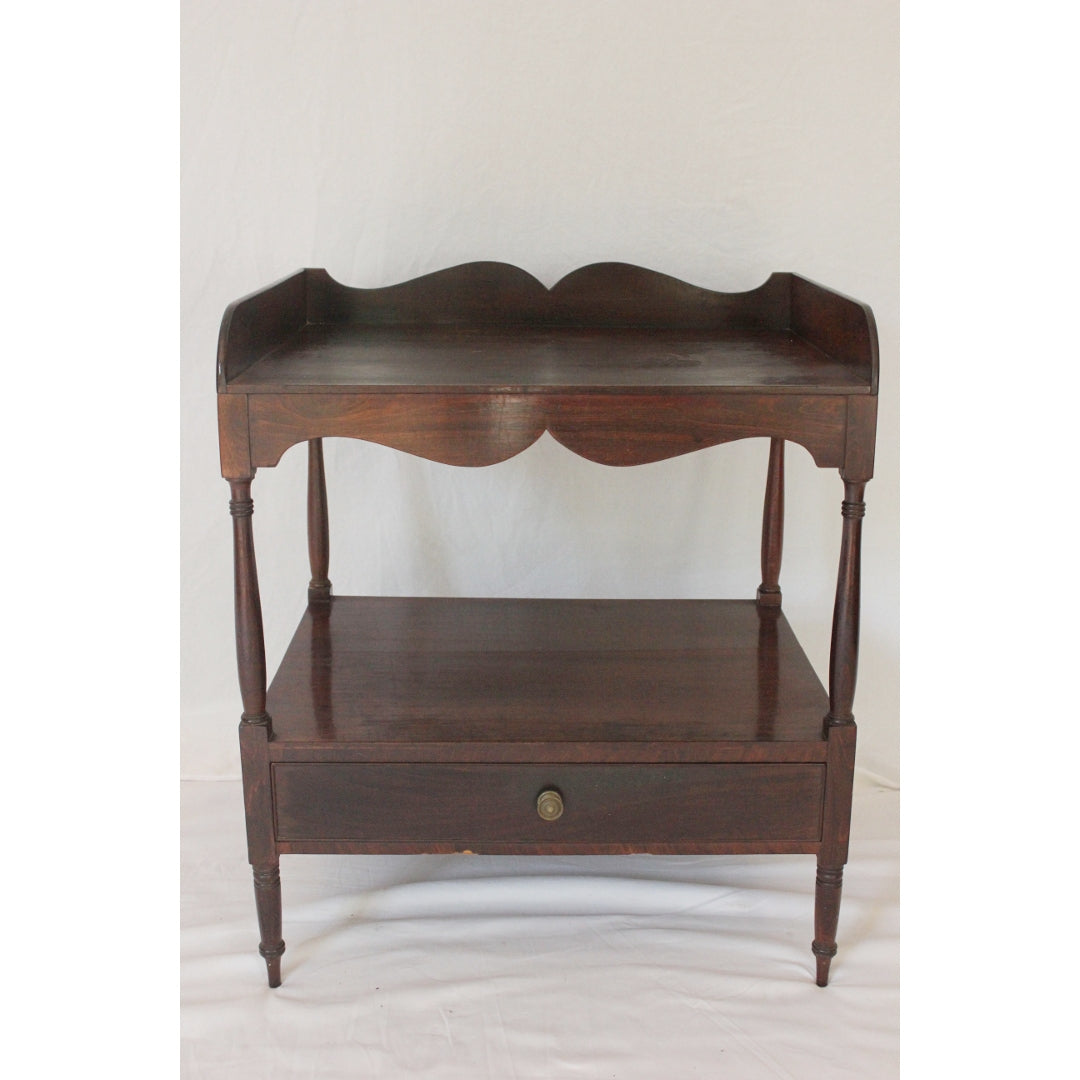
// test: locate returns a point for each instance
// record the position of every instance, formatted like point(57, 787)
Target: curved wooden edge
point(840, 326)
point(611, 294)
point(604, 294)
point(485, 429)
point(333, 300)
point(256, 322)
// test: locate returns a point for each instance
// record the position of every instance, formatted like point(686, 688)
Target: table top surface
point(321, 358)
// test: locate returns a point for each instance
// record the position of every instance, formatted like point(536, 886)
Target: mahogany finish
point(676, 726)
point(772, 528)
point(486, 428)
point(250, 654)
point(318, 525)
point(668, 677)
point(468, 806)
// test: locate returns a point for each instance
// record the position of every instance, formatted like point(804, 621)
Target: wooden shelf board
point(392, 678)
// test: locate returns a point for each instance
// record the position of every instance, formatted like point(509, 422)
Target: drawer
point(593, 804)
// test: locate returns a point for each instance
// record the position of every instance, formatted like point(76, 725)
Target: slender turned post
point(844, 656)
point(250, 654)
point(318, 525)
point(772, 528)
point(255, 731)
point(840, 733)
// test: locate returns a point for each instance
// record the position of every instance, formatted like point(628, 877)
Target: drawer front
point(614, 804)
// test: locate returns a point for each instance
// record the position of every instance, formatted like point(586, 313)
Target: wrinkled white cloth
point(537, 967)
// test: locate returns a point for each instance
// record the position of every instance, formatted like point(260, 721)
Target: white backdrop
point(715, 141)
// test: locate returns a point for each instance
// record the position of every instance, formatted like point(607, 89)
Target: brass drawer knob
point(549, 805)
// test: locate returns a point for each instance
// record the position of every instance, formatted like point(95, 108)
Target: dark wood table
point(546, 726)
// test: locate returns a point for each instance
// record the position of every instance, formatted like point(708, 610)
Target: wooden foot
point(268, 905)
point(830, 880)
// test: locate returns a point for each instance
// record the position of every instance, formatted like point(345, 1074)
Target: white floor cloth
point(506, 967)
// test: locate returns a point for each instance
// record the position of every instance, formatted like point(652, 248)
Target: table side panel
point(483, 429)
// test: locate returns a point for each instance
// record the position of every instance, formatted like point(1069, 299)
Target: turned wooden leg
point(844, 653)
point(255, 731)
point(840, 733)
point(772, 528)
point(268, 905)
point(250, 653)
point(830, 880)
point(318, 525)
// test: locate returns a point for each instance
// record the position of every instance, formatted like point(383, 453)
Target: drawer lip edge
point(795, 752)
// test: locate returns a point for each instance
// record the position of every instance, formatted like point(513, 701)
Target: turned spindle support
point(844, 654)
point(319, 589)
point(840, 733)
point(255, 731)
point(250, 653)
point(772, 528)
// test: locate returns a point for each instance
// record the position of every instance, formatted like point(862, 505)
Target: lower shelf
point(370, 679)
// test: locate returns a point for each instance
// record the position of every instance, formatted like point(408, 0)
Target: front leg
point(268, 907)
point(840, 733)
point(255, 731)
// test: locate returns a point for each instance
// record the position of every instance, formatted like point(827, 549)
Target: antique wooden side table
point(546, 726)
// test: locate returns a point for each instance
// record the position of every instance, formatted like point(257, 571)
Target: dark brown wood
point(610, 429)
point(516, 360)
point(840, 729)
point(633, 806)
point(321, 680)
point(830, 880)
point(318, 525)
point(609, 324)
point(256, 323)
point(520, 847)
point(268, 907)
point(250, 654)
point(262, 848)
point(844, 654)
point(432, 725)
point(485, 294)
point(861, 428)
point(769, 668)
point(772, 528)
point(491, 673)
point(833, 853)
point(836, 324)
point(233, 440)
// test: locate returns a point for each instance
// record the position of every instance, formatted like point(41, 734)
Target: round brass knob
point(549, 805)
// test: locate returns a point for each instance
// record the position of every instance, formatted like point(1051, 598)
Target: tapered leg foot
point(830, 881)
point(268, 906)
